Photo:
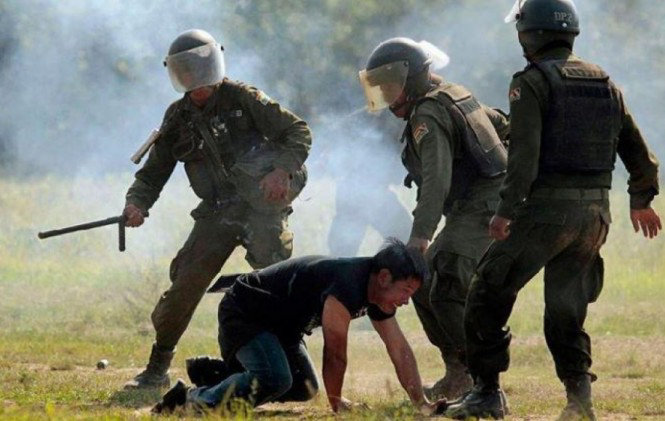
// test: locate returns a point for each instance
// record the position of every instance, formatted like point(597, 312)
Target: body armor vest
point(582, 124)
point(481, 155)
point(480, 138)
point(222, 148)
point(230, 126)
point(463, 176)
point(244, 136)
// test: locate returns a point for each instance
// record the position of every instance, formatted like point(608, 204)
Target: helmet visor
point(514, 14)
point(200, 66)
point(384, 85)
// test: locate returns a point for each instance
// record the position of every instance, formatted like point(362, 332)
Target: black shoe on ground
point(578, 394)
point(207, 371)
point(576, 412)
point(148, 380)
point(175, 397)
point(484, 401)
point(451, 386)
point(156, 373)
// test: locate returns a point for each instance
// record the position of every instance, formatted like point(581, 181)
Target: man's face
point(200, 95)
point(393, 294)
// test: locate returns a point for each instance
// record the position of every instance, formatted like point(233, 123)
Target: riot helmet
point(542, 23)
point(194, 60)
point(397, 66)
point(545, 15)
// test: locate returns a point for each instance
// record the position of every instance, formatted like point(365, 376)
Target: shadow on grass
point(135, 398)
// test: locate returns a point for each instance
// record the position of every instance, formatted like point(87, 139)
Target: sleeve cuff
point(139, 204)
point(288, 164)
point(421, 232)
point(641, 200)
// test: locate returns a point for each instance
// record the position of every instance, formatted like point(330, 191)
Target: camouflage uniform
point(227, 148)
point(437, 157)
point(563, 145)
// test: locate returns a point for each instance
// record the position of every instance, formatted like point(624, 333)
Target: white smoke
point(83, 84)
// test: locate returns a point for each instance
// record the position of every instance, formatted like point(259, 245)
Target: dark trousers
point(440, 301)
point(453, 257)
point(273, 372)
point(564, 237)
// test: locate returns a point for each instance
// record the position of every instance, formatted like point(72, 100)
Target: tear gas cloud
point(83, 84)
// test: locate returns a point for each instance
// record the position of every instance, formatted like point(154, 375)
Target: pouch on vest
point(480, 137)
point(189, 150)
point(583, 121)
point(253, 156)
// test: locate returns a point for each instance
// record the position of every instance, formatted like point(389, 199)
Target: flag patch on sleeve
point(515, 94)
point(420, 132)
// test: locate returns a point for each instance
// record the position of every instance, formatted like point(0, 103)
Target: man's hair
point(403, 262)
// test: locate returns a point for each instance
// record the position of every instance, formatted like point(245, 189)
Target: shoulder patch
point(420, 132)
point(515, 94)
point(262, 97)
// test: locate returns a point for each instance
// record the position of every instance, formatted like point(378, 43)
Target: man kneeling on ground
point(264, 315)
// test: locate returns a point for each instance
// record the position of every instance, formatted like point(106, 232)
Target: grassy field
point(68, 302)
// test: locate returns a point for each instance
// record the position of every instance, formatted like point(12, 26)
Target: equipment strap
point(212, 158)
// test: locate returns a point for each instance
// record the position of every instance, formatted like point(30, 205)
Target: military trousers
point(452, 258)
point(563, 237)
point(214, 237)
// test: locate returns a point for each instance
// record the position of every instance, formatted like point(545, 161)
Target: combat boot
point(485, 400)
point(156, 373)
point(176, 396)
point(456, 381)
point(578, 394)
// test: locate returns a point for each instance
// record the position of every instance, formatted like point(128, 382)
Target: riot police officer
point(243, 154)
point(568, 123)
point(454, 155)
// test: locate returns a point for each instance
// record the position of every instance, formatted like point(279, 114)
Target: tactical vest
point(233, 126)
point(482, 155)
point(224, 154)
point(583, 121)
point(480, 138)
point(463, 176)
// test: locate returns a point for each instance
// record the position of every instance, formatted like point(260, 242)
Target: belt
point(570, 194)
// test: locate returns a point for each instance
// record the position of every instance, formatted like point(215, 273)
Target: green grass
point(68, 302)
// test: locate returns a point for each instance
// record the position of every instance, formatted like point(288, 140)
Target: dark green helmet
point(396, 65)
point(545, 15)
point(400, 49)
